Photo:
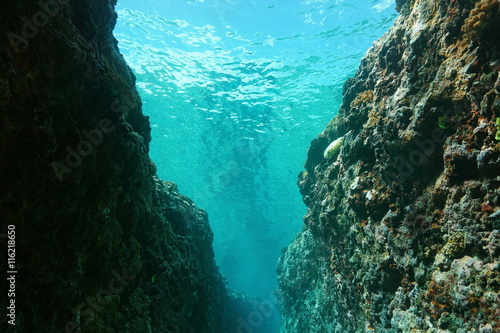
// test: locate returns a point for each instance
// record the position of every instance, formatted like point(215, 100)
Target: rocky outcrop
point(402, 230)
point(101, 244)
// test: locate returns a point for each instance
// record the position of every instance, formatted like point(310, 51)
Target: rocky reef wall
point(402, 229)
point(96, 242)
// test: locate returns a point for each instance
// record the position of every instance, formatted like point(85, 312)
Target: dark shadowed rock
point(102, 245)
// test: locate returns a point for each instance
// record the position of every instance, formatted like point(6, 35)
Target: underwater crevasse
point(411, 244)
point(235, 94)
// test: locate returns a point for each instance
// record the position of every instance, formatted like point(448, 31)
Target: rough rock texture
point(102, 245)
point(402, 230)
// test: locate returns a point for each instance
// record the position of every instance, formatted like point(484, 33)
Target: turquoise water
point(235, 91)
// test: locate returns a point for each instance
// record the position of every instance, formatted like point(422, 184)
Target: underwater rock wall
point(402, 229)
point(101, 244)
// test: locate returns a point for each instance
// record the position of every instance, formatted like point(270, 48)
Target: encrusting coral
point(402, 231)
point(362, 98)
point(479, 18)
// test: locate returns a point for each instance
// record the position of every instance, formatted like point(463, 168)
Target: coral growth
point(362, 98)
point(479, 18)
point(402, 232)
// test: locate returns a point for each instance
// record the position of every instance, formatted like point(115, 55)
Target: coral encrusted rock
point(402, 229)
